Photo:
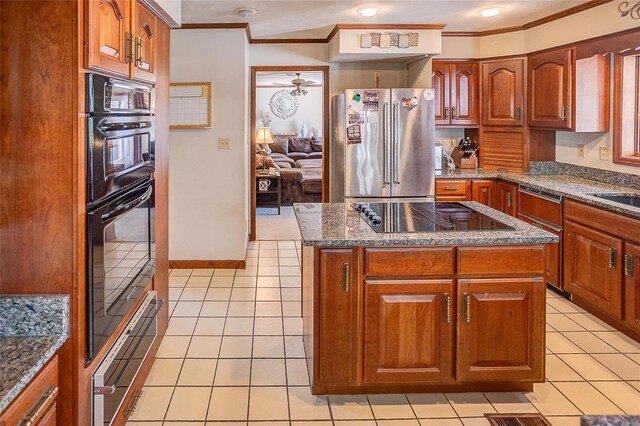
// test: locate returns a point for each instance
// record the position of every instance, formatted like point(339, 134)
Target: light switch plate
point(224, 143)
point(604, 153)
point(580, 150)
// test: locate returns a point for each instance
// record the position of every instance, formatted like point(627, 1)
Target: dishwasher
point(544, 210)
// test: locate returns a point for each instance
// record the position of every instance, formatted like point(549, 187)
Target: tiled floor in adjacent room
point(233, 355)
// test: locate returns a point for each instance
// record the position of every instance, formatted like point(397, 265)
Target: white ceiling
point(316, 18)
point(268, 78)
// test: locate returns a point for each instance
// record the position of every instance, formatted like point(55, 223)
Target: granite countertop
point(570, 186)
point(338, 224)
point(32, 329)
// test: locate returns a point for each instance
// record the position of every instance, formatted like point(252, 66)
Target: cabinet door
point(632, 286)
point(482, 191)
point(338, 315)
point(441, 85)
point(593, 267)
point(552, 254)
point(408, 331)
point(501, 324)
point(503, 93)
point(145, 26)
point(506, 198)
point(108, 32)
point(551, 89)
point(464, 93)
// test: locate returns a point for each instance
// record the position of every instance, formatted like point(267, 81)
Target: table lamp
point(263, 137)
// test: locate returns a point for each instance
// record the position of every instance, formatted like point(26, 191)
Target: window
point(626, 113)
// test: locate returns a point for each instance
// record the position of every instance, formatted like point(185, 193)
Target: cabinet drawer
point(409, 261)
point(37, 400)
point(541, 208)
point(511, 260)
point(452, 187)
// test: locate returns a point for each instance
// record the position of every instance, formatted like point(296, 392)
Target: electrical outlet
point(580, 150)
point(604, 153)
point(224, 143)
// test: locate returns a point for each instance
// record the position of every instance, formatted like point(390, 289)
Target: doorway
point(289, 146)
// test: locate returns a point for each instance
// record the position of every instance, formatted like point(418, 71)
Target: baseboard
point(207, 264)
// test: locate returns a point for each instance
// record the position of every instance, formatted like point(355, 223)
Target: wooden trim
point(618, 157)
point(482, 33)
point(153, 6)
point(252, 126)
point(215, 26)
point(207, 264)
point(286, 40)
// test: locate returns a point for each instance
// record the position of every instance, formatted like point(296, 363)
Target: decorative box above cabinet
point(456, 87)
point(120, 39)
point(503, 92)
point(568, 94)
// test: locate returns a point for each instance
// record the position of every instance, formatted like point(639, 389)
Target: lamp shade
point(263, 135)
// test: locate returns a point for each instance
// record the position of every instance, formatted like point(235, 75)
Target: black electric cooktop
point(403, 217)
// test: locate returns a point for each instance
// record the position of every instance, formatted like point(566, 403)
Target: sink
point(629, 200)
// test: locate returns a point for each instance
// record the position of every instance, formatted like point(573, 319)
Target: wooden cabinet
point(503, 92)
point(482, 191)
point(338, 317)
point(492, 312)
point(452, 189)
point(456, 90)
point(506, 194)
point(551, 80)
point(632, 286)
point(592, 269)
point(553, 253)
point(408, 331)
point(36, 404)
point(121, 38)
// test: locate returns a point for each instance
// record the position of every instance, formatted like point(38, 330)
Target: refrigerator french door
point(383, 144)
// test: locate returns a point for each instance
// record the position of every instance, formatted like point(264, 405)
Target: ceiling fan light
point(368, 11)
point(493, 11)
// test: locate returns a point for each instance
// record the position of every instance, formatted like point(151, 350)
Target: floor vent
point(517, 420)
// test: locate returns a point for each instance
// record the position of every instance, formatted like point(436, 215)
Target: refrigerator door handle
point(396, 143)
point(385, 141)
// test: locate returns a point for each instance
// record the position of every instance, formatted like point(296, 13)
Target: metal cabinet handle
point(628, 265)
point(451, 188)
point(518, 113)
point(453, 113)
point(346, 275)
point(447, 307)
point(139, 42)
point(612, 257)
point(133, 403)
point(36, 410)
point(446, 113)
point(564, 113)
point(127, 48)
point(466, 307)
point(509, 199)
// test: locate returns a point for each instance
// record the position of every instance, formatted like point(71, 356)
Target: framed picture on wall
point(190, 105)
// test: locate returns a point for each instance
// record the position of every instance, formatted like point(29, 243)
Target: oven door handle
point(123, 208)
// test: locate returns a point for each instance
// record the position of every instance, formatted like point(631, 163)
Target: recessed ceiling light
point(494, 11)
point(368, 11)
point(245, 12)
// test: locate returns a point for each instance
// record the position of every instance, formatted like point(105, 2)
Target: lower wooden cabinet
point(632, 286)
point(482, 191)
point(452, 189)
point(338, 317)
point(408, 331)
point(501, 329)
point(552, 255)
point(505, 198)
point(593, 265)
point(36, 404)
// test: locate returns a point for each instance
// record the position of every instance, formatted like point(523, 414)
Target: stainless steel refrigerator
point(383, 144)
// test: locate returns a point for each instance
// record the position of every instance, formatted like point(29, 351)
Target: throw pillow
point(300, 145)
point(316, 145)
point(280, 145)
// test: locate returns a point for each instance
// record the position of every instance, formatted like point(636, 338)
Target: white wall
point(309, 110)
point(208, 189)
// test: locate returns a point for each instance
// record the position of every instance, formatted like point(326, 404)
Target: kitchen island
point(442, 310)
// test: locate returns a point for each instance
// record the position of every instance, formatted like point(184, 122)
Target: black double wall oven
point(120, 202)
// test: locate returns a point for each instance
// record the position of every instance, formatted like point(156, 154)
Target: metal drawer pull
point(628, 265)
point(518, 113)
point(451, 188)
point(34, 414)
point(133, 404)
point(466, 307)
point(612, 258)
point(447, 307)
point(345, 277)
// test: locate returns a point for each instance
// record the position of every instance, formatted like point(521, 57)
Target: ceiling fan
point(298, 83)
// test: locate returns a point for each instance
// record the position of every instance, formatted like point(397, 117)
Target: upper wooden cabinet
point(121, 39)
point(456, 87)
point(503, 92)
point(568, 94)
point(550, 89)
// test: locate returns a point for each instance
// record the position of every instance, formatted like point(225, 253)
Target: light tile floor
point(233, 355)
